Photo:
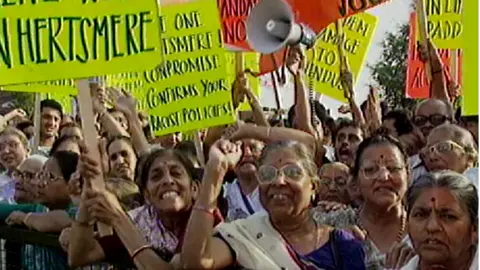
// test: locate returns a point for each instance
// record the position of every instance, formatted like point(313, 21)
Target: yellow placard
point(471, 80)
point(132, 82)
point(323, 66)
point(445, 23)
point(251, 61)
point(60, 87)
point(66, 100)
point(190, 89)
point(46, 40)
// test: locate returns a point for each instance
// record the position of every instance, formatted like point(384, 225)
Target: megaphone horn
point(271, 27)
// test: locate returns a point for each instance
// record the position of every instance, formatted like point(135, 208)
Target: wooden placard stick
point(91, 139)
point(344, 65)
point(37, 122)
point(199, 148)
point(454, 66)
point(422, 31)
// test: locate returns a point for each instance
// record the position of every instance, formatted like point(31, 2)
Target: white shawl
point(257, 244)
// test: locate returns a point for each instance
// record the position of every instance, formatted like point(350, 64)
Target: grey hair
point(305, 156)
point(461, 186)
point(461, 136)
point(448, 106)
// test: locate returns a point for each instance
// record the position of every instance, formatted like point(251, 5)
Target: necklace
point(400, 232)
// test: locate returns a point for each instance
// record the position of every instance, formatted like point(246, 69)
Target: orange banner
point(233, 14)
point(418, 85)
point(316, 14)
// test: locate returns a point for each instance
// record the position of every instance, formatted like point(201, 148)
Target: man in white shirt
point(242, 194)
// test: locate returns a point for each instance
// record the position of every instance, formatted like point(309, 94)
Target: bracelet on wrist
point(206, 210)
point(138, 250)
point(84, 223)
point(25, 219)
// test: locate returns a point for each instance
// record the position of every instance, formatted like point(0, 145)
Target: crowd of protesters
point(382, 189)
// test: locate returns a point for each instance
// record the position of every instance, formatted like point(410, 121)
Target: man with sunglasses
point(432, 113)
point(429, 114)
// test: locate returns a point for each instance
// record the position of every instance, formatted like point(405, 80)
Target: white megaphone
point(271, 27)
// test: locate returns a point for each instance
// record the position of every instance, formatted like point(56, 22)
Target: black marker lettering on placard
point(179, 67)
point(188, 115)
point(440, 7)
point(6, 3)
point(157, 97)
point(188, 43)
point(187, 20)
point(211, 87)
point(324, 76)
point(70, 39)
point(444, 29)
point(353, 6)
point(5, 52)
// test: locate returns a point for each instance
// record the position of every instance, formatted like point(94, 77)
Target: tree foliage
point(390, 72)
point(24, 100)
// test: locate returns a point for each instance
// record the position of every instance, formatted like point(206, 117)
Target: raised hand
point(295, 61)
point(225, 153)
point(14, 114)
point(126, 103)
point(346, 77)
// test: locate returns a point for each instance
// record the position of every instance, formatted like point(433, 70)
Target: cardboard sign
point(470, 84)
point(323, 66)
point(445, 23)
point(234, 14)
point(56, 39)
point(418, 84)
point(190, 89)
point(64, 87)
point(251, 62)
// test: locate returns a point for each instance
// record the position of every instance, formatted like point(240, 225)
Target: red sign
point(317, 14)
point(418, 85)
point(234, 14)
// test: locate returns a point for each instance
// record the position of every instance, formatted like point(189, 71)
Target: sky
point(390, 15)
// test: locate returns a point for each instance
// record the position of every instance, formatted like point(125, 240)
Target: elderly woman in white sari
point(284, 237)
point(443, 222)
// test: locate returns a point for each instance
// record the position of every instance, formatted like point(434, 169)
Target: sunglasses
point(269, 174)
point(442, 147)
point(435, 119)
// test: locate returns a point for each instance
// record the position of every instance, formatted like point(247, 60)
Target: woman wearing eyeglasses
point(449, 147)
point(285, 236)
point(334, 183)
point(443, 222)
point(381, 176)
